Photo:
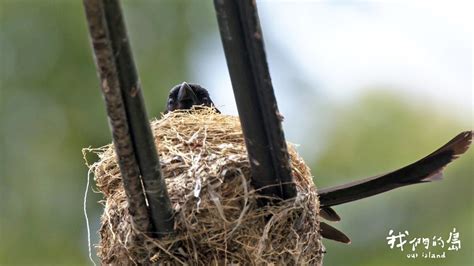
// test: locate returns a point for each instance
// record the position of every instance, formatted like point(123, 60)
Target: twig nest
point(217, 218)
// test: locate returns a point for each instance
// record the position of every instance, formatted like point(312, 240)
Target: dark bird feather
point(185, 96)
point(332, 233)
point(425, 170)
point(329, 214)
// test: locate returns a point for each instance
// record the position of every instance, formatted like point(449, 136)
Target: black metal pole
point(258, 111)
point(129, 123)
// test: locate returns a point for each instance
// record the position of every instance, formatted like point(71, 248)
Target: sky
point(422, 50)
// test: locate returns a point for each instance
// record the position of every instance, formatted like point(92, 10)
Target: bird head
point(185, 96)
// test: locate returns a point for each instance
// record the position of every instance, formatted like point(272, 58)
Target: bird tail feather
point(428, 169)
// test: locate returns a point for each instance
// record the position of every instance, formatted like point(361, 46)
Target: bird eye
point(170, 101)
point(205, 99)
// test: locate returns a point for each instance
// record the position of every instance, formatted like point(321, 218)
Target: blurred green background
point(51, 108)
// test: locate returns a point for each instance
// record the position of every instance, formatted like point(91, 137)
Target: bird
point(186, 95)
point(425, 170)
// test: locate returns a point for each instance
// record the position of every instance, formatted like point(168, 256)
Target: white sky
point(419, 46)
point(422, 49)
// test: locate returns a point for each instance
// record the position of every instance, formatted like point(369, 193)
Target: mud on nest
point(217, 220)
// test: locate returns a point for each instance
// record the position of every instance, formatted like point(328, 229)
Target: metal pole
point(242, 39)
point(131, 132)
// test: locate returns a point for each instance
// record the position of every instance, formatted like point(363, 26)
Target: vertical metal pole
point(133, 139)
point(258, 110)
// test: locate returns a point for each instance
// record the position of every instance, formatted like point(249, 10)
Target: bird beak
point(186, 95)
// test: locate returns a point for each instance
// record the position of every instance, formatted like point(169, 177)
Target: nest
point(217, 217)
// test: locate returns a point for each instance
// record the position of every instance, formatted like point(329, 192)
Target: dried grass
point(217, 220)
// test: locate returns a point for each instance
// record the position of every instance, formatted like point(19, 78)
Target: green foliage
point(52, 108)
point(379, 133)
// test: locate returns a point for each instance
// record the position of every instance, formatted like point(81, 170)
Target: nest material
point(217, 218)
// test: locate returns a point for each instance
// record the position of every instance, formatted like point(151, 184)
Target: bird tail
point(332, 233)
point(427, 169)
